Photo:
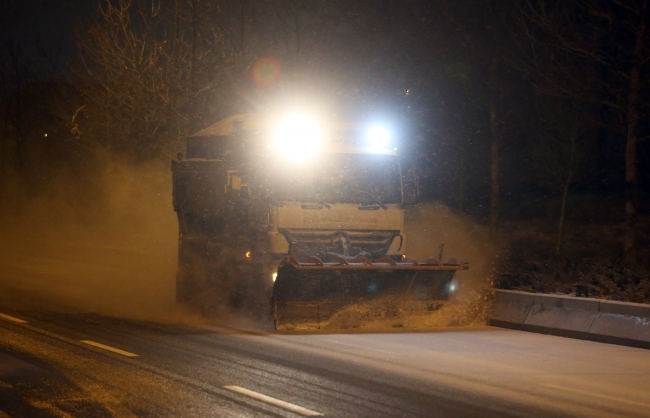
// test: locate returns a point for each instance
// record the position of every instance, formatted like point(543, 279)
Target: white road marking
point(109, 348)
point(11, 318)
point(276, 402)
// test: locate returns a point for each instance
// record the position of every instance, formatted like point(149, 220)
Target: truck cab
point(247, 194)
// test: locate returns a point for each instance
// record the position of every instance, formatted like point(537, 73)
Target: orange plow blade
point(307, 295)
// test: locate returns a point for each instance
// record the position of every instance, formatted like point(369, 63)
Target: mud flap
point(213, 280)
point(308, 295)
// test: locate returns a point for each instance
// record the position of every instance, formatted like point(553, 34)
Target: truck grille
point(319, 241)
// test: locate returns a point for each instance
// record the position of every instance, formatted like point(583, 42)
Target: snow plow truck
point(304, 214)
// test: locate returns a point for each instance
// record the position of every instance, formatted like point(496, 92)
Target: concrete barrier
point(622, 323)
point(561, 315)
point(584, 318)
point(511, 308)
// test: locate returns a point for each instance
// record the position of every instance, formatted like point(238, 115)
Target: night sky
point(42, 25)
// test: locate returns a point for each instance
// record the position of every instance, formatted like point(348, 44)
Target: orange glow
point(266, 71)
point(248, 254)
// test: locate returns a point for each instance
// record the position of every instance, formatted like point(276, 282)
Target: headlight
point(378, 137)
point(298, 137)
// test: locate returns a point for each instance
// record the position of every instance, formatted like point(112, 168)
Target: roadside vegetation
point(590, 263)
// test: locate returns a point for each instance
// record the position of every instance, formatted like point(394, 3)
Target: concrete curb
point(566, 316)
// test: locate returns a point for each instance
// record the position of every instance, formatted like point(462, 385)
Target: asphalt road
point(58, 364)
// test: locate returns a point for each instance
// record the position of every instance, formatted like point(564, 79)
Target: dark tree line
point(495, 98)
point(597, 51)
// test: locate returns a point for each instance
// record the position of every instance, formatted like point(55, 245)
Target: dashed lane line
point(12, 319)
point(273, 401)
point(109, 348)
point(243, 391)
point(93, 343)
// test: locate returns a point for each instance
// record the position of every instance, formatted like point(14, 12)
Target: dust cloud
point(111, 249)
point(427, 225)
point(107, 247)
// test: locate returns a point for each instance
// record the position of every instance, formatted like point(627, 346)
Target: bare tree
point(141, 88)
point(213, 47)
point(122, 82)
point(558, 151)
point(599, 51)
point(479, 30)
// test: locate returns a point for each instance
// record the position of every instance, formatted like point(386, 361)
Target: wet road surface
point(67, 364)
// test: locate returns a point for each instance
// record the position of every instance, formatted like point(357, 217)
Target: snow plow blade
point(308, 295)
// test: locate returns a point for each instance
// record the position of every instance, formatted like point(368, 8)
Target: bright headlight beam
point(298, 137)
point(378, 136)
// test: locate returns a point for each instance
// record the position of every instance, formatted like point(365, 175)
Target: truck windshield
point(367, 179)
